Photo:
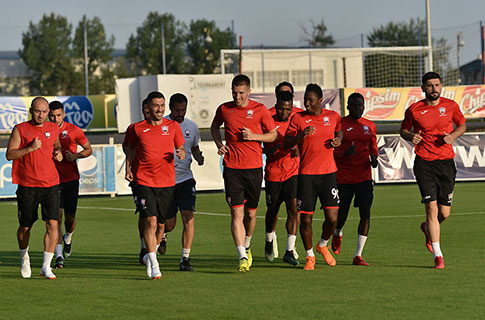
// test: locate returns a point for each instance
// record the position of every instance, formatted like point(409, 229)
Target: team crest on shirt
point(164, 130)
point(366, 130)
point(187, 132)
point(250, 114)
point(326, 121)
point(64, 133)
point(47, 135)
point(442, 111)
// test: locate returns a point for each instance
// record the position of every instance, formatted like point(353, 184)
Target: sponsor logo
point(309, 120)
point(349, 129)
point(79, 110)
point(473, 101)
point(442, 111)
point(427, 197)
point(5, 175)
point(12, 111)
point(423, 112)
point(380, 105)
point(47, 134)
point(165, 131)
point(187, 132)
point(250, 114)
point(146, 130)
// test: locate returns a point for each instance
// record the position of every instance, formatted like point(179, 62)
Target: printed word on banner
point(396, 159)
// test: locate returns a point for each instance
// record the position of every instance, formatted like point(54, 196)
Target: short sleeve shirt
point(70, 136)
point(256, 117)
point(433, 121)
point(316, 152)
point(37, 168)
point(356, 168)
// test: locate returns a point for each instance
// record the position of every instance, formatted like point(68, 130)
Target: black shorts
point(363, 191)
point(323, 186)
point(154, 202)
point(277, 192)
point(69, 196)
point(243, 186)
point(436, 180)
point(28, 200)
point(183, 197)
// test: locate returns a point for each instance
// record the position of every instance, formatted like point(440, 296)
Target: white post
point(428, 25)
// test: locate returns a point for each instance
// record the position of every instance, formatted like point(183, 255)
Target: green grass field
point(103, 279)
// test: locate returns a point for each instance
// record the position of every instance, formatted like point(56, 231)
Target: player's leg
point(273, 203)
point(71, 195)
point(252, 179)
point(292, 220)
point(58, 251)
point(50, 203)
point(346, 193)
point(307, 197)
point(187, 207)
point(27, 214)
point(143, 248)
point(364, 196)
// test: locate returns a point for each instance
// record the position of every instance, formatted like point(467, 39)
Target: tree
point(46, 50)
point(203, 44)
point(144, 49)
point(100, 48)
point(406, 68)
point(317, 36)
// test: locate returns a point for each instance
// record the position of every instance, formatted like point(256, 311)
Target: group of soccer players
point(310, 154)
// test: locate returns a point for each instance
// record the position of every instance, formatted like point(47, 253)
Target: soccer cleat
point(310, 263)
point(156, 273)
point(143, 252)
point(67, 248)
point(295, 254)
point(290, 258)
point(327, 256)
point(243, 265)
point(250, 256)
point(268, 251)
point(358, 261)
point(25, 268)
point(185, 265)
point(428, 240)
point(162, 248)
point(47, 273)
point(59, 263)
point(439, 263)
point(148, 264)
point(275, 247)
point(336, 243)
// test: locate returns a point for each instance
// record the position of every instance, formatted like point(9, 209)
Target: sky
point(268, 22)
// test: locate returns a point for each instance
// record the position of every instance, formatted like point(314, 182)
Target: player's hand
point(180, 153)
point(36, 144)
point(128, 175)
point(71, 156)
point(199, 159)
point(57, 155)
point(247, 134)
point(417, 137)
point(448, 138)
point(295, 152)
point(336, 142)
point(222, 150)
point(373, 161)
point(350, 150)
point(310, 130)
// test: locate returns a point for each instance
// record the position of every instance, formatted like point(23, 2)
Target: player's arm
point(216, 136)
point(291, 141)
point(57, 150)
point(130, 156)
point(13, 151)
point(270, 136)
point(415, 138)
point(337, 140)
point(197, 154)
point(458, 132)
point(86, 152)
point(180, 152)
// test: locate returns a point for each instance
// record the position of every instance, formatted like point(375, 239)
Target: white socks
point(270, 236)
point(25, 263)
point(322, 243)
point(360, 245)
point(241, 250)
point(247, 241)
point(309, 253)
point(338, 232)
point(290, 242)
point(68, 237)
point(185, 254)
point(47, 259)
point(436, 249)
point(59, 251)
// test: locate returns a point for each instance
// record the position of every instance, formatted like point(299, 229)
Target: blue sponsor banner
point(12, 111)
point(79, 110)
point(97, 173)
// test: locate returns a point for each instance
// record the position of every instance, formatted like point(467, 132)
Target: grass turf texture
point(103, 279)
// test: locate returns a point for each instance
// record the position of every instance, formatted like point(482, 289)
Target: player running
point(432, 121)
point(70, 137)
point(316, 131)
point(354, 158)
point(246, 123)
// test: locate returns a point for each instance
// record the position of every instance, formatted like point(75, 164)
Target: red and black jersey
point(37, 168)
point(153, 165)
point(255, 116)
point(280, 163)
point(316, 152)
point(433, 122)
point(356, 168)
point(70, 136)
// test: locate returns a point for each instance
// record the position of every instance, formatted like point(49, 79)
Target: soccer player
point(281, 181)
point(316, 131)
point(354, 158)
point(33, 146)
point(246, 123)
point(184, 192)
point(70, 136)
point(150, 151)
point(433, 135)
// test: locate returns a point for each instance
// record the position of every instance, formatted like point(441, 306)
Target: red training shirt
point(316, 152)
point(281, 165)
point(255, 116)
point(70, 136)
point(432, 121)
point(153, 165)
point(37, 168)
point(356, 168)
